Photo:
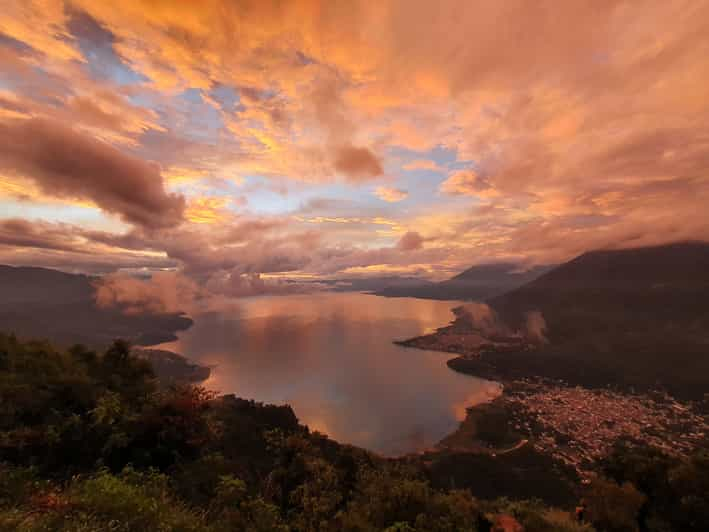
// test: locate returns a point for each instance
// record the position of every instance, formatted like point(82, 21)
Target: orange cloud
point(207, 210)
point(467, 183)
point(392, 195)
point(595, 135)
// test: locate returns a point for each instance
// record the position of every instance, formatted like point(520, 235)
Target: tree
point(612, 507)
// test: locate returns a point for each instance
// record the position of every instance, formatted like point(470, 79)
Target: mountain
point(58, 306)
point(25, 285)
point(635, 317)
point(374, 284)
point(653, 285)
point(476, 283)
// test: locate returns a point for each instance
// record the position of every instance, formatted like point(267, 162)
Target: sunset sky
point(309, 140)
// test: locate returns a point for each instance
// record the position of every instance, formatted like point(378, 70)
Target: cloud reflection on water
point(331, 357)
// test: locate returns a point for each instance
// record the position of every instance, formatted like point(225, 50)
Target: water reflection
point(331, 357)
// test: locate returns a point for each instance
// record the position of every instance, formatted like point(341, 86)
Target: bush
point(132, 501)
point(613, 507)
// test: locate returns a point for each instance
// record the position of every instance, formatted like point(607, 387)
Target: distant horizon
point(510, 265)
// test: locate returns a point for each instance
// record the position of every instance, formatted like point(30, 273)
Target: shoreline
point(171, 367)
point(576, 425)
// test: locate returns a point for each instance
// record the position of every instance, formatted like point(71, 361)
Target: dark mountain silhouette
point(26, 285)
point(637, 317)
point(476, 283)
point(58, 306)
point(599, 289)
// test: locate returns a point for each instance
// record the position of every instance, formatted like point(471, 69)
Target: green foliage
point(136, 500)
point(235, 509)
point(89, 443)
point(17, 484)
point(394, 498)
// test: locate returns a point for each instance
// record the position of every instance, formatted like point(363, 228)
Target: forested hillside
point(92, 441)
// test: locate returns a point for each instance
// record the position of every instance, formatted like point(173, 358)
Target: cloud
point(164, 292)
point(357, 163)
point(78, 262)
point(484, 318)
point(236, 284)
point(68, 164)
point(467, 183)
point(63, 246)
point(536, 327)
point(207, 210)
point(410, 241)
point(21, 233)
point(391, 195)
point(606, 145)
point(174, 292)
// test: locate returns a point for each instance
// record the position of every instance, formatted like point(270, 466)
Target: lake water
point(331, 357)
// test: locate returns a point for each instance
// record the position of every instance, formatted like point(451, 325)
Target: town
point(579, 426)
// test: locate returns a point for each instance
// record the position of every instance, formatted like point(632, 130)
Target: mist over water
point(331, 357)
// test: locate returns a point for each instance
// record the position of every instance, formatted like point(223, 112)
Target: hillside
point(98, 446)
point(58, 306)
point(635, 317)
point(657, 284)
point(476, 283)
point(30, 285)
point(90, 442)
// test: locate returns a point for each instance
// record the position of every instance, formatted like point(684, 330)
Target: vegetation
point(632, 318)
point(90, 442)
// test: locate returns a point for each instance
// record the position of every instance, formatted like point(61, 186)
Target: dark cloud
point(410, 241)
point(77, 262)
point(16, 232)
point(69, 164)
point(358, 164)
point(71, 248)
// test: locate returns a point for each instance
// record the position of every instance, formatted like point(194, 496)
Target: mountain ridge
point(635, 318)
point(478, 282)
point(60, 306)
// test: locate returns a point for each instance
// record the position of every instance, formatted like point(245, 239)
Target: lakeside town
point(579, 426)
point(574, 424)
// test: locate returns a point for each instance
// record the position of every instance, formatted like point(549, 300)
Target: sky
point(239, 143)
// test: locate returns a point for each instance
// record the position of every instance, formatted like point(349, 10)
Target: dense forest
point(93, 441)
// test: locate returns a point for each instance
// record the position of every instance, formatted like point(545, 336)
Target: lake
point(331, 357)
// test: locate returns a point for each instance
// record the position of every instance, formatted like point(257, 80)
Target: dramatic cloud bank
point(65, 163)
point(246, 143)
